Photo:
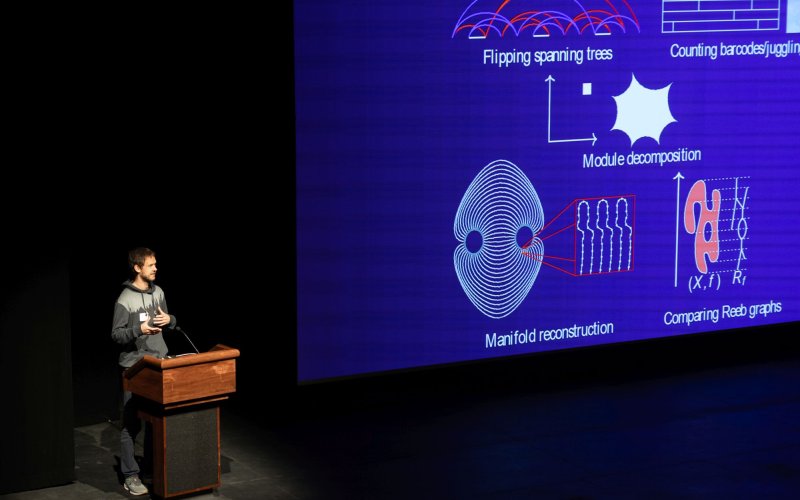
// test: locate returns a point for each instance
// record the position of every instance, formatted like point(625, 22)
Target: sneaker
point(134, 485)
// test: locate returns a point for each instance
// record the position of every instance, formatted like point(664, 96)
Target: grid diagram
point(692, 16)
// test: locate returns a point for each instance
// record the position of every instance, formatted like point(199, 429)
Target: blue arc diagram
point(488, 19)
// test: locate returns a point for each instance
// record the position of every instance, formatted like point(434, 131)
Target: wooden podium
point(180, 398)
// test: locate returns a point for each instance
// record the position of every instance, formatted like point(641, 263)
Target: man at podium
point(140, 319)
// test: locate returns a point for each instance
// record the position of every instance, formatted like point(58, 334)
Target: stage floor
point(728, 432)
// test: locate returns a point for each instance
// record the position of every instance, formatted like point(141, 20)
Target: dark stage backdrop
point(35, 364)
point(156, 146)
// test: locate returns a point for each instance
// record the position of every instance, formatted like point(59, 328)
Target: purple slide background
point(396, 117)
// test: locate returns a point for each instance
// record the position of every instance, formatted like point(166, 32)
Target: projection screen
point(483, 179)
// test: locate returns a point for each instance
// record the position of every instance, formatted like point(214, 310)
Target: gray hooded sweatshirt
point(132, 308)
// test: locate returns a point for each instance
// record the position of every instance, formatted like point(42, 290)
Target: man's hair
point(137, 256)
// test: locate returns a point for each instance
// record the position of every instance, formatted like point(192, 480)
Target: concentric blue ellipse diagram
point(498, 219)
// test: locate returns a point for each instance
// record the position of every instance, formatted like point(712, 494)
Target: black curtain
point(37, 449)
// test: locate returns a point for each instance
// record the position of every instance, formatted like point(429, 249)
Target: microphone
point(187, 338)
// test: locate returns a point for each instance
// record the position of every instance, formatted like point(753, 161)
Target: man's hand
point(149, 330)
point(161, 319)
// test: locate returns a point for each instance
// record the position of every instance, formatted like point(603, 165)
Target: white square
point(793, 16)
point(587, 88)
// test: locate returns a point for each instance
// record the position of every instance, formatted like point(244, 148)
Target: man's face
point(148, 271)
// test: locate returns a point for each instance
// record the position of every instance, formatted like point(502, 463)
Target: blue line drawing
point(501, 230)
point(681, 16)
point(498, 215)
point(605, 233)
point(504, 19)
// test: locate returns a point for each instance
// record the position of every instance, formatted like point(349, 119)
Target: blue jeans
point(131, 426)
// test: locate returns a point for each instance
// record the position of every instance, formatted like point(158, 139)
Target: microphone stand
point(187, 338)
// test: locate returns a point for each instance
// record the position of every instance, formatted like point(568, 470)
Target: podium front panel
point(192, 457)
